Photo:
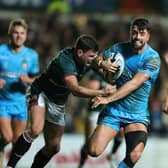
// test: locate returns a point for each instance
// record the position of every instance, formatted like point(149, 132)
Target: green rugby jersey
point(51, 81)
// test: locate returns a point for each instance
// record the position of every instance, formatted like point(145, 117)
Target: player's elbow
point(79, 91)
point(74, 93)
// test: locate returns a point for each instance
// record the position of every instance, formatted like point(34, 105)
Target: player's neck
point(78, 61)
point(15, 48)
point(139, 51)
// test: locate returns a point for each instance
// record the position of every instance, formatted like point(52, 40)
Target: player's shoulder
point(151, 52)
point(121, 46)
point(63, 56)
point(3, 47)
point(66, 54)
point(31, 51)
point(66, 51)
point(152, 57)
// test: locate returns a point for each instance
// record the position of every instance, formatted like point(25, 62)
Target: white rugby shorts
point(54, 113)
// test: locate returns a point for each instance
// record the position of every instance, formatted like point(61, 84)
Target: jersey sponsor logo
point(4, 57)
point(24, 64)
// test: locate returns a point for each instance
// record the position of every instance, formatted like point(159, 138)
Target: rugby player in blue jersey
point(50, 91)
point(18, 68)
point(128, 106)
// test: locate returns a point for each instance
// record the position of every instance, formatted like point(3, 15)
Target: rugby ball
point(118, 59)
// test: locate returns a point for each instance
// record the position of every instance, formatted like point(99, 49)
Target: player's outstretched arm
point(123, 91)
point(78, 90)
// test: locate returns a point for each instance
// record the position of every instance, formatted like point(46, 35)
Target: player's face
point(18, 36)
point(139, 38)
point(87, 57)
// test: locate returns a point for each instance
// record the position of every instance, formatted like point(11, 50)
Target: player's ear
point(79, 52)
point(148, 38)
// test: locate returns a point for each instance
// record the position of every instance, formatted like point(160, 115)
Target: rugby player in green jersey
point(50, 91)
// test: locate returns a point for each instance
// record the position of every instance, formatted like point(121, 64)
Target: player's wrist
point(99, 63)
point(105, 65)
point(109, 100)
point(101, 92)
point(105, 92)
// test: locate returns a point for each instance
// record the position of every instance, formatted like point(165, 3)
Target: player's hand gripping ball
point(118, 59)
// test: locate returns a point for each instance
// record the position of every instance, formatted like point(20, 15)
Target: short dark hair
point(86, 42)
point(141, 23)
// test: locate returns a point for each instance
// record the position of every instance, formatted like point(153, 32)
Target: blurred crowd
point(49, 33)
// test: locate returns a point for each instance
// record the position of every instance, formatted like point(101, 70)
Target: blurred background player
point(18, 68)
point(97, 82)
point(51, 90)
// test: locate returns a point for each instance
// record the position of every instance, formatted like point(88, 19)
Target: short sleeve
point(150, 66)
point(108, 51)
point(67, 65)
point(34, 68)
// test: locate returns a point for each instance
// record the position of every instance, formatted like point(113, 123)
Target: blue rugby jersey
point(147, 62)
point(12, 65)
